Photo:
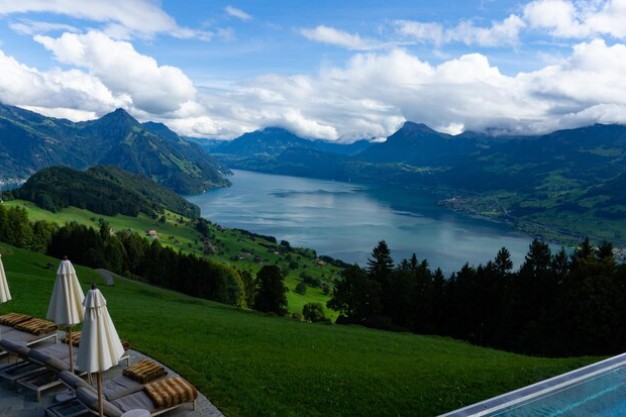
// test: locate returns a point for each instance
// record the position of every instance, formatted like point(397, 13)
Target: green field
point(250, 364)
point(232, 247)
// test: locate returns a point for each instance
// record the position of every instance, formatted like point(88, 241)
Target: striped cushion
point(36, 326)
point(170, 392)
point(75, 338)
point(144, 371)
point(12, 319)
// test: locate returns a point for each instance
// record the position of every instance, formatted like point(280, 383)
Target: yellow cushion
point(36, 326)
point(170, 392)
point(75, 338)
point(144, 371)
point(12, 319)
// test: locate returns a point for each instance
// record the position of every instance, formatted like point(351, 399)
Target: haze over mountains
point(31, 141)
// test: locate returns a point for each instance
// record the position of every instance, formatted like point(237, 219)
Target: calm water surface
point(346, 220)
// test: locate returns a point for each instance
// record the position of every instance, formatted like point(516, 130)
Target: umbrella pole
point(69, 342)
point(100, 405)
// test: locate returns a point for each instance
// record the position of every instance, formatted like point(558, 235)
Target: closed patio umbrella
point(66, 304)
point(5, 294)
point(100, 347)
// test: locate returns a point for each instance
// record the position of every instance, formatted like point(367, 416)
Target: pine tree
point(271, 291)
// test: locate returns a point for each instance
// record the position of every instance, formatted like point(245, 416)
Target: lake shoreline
point(346, 220)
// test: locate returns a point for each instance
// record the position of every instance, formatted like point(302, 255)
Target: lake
point(346, 221)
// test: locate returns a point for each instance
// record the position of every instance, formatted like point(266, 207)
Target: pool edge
point(539, 388)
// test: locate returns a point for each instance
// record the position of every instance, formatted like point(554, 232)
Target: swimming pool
point(603, 395)
point(595, 390)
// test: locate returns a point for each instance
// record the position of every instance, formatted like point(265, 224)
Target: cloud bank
point(368, 96)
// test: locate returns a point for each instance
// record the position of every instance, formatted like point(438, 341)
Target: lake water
point(346, 221)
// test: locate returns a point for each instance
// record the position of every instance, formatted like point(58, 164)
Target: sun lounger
point(112, 389)
point(152, 398)
point(39, 367)
point(21, 328)
point(21, 367)
point(120, 386)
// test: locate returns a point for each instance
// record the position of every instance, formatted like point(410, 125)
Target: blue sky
point(334, 70)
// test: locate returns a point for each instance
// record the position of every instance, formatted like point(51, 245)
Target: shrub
point(314, 312)
point(301, 288)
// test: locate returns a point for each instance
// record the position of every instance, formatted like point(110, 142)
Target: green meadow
point(251, 364)
point(244, 252)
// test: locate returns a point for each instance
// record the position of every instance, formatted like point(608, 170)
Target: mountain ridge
point(106, 190)
point(31, 141)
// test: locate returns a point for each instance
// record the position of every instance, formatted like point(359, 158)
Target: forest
point(126, 253)
point(555, 304)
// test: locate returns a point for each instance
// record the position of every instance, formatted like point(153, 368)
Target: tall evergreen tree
point(379, 268)
point(271, 291)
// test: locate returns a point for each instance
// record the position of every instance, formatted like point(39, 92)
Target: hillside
point(250, 364)
point(103, 190)
point(244, 251)
point(31, 141)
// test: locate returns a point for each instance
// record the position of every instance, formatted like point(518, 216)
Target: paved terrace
point(24, 403)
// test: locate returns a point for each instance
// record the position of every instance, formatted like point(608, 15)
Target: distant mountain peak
point(416, 127)
point(162, 130)
point(270, 129)
point(119, 115)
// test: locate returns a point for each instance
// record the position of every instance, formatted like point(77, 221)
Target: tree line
point(555, 304)
point(132, 255)
point(127, 253)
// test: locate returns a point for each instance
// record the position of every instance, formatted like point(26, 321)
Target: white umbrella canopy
point(66, 304)
point(5, 294)
point(100, 347)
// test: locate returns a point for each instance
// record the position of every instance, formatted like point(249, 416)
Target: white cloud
point(72, 89)
point(152, 87)
point(580, 19)
point(30, 27)
point(63, 113)
point(369, 96)
point(501, 33)
point(375, 92)
point(332, 36)
point(238, 13)
point(123, 19)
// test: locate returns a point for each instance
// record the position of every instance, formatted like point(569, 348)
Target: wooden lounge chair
point(20, 367)
point(52, 359)
point(21, 328)
point(48, 378)
point(37, 368)
point(139, 400)
point(114, 388)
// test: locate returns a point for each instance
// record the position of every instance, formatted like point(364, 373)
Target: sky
point(335, 70)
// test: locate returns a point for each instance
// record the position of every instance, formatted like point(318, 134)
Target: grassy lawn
point(233, 247)
point(250, 364)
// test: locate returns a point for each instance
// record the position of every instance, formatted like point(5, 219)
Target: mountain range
point(30, 141)
point(567, 180)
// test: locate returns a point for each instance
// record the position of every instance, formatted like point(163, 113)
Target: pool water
point(603, 395)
